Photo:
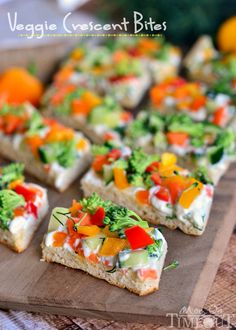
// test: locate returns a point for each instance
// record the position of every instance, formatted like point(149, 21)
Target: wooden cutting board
point(32, 285)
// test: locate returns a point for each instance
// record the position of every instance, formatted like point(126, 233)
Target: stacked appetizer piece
point(116, 73)
point(195, 99)
point(50, 151)
point(108, 241)
point(196, 143)
point(22, 207)
point(160, 57)
point(80, 108)
point(155, 187)
point(205, 63)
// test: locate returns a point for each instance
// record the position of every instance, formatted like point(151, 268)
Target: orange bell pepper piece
point(76, 206)
point(63, 75)
point(148, 273)
point(88, 230)
point(120, 178)
point(34, 142)
point(19, 211)
point(59, 133)
point(17, 86)
point(142, 196)
point(59, 238)
point(112, 246)
point(93, 258)
point(178, 138)
point(91, 99)
point(80, 107)
point(190, 194)
point(176, 185)
point(198, 102)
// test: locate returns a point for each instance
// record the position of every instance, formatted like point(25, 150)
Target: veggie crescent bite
point(81, 108)
point(107, 241)
point(22, 208)
point(155, 187)
point(50, 151)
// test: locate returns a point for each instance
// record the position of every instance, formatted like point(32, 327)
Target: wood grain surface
point(32, 285)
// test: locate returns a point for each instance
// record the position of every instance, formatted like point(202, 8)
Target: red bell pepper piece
point(98, 162)
point(163, 194)
point(29, 195)
point(153, 167)
point(114, 154)
point(98, 217)
point(32, 208)
point(219, 116)
point(138, 238)
point(156, 178)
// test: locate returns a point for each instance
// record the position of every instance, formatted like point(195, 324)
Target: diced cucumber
point(215, 154)
point(94, 242)
point(107, 173)
point(47, 154)
point(57, 218)
point(160, 140)
point(133, 258)
point(103, 116)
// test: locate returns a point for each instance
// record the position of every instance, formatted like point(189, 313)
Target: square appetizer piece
point(85, 66)
point(22, 207)
point(215, 68)
point(193, 98)
point(128, 79)
point(196, 143)
point(107, 241)
point(161, 58)
point(77, 107)
point(157, 189)
point(50, 151)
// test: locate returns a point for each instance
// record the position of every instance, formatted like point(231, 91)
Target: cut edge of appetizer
point(107, 241)
point(23, 206)
point(154, 187)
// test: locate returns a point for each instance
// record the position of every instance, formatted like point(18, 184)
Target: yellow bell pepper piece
point(190, 194)
point(112, 246)
point(120, 178)
point(169, 170)
point(109, 233)
point(168, 159)
point(77, 54)
point(88, 230)
point(82, 144)
point(15, 183)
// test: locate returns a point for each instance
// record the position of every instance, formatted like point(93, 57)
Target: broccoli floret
point(136, 129)
point(121, 163)
point(11, 173)
point(135, 179)
point(139, 161)
point(225, 139)
point(184, 123)
point(99, 150)
point(119, 217)
point(154, 250)
point(202, 175)
point(9, 200)
point(91, 203)
point(35, 124)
